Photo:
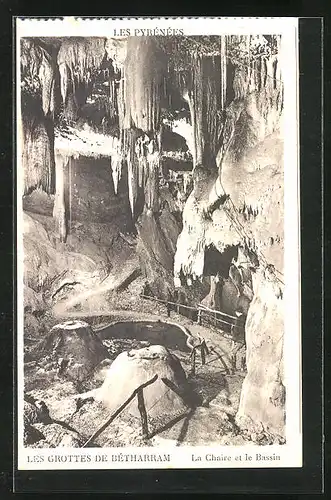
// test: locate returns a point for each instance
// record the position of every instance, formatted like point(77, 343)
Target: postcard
point(158, 236)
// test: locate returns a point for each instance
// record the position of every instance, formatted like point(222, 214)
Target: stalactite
point(37, 74)
point(190, 254)
point(132, 182)
point(201, 85)
point(64, 78)
point(112, 107)
point(143, 165)
point(47, 78)
point(132, 161)
point(116, 162)
point(37, 161)
point(152, 181)
point(139, 103)
point(121, 103)
point(37, 107)
point(256, 67)
point(143, 83)
point(78, 59)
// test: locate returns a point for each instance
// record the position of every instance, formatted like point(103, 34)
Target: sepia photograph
point(151, 185)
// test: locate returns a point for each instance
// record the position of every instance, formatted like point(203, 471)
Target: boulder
point(58, 398)
point(57, 435)
point(168, 395)
point(32, 435)
point(35, 411)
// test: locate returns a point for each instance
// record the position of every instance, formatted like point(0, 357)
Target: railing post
point(193, 355)
point(143, 413)
point(204, 351)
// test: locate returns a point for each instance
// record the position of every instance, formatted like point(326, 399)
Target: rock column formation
point(263, 392)
point(250, 170)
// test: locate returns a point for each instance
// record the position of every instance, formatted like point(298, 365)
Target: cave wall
point(156, 246)
point(252, 172)
point(90, 194)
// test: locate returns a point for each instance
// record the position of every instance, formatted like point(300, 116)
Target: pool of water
point(157, 333)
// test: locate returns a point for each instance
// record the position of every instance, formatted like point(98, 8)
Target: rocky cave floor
point(70, 424)
point(218, 384)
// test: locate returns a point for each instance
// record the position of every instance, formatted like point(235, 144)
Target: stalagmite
point(59, 210)
point(213, 299)
point(263, 393)
point(75, 348)
point(187, 178)
point(223, 71)
point(116, 162)
point(143, 80)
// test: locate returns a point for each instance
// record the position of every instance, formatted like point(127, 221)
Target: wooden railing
point(203, 314)
point(139, 393)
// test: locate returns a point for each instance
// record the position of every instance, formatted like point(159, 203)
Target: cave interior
point(152, 187)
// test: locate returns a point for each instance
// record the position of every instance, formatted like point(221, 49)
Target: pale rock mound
point(168, 395)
